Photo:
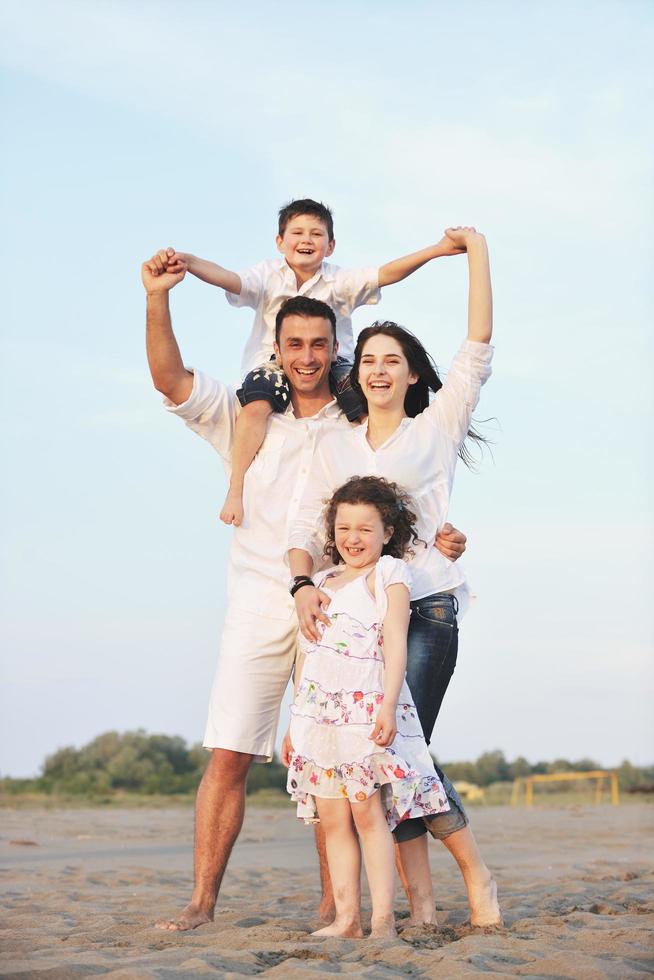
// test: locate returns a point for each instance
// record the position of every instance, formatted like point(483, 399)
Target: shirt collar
point(325, 271)
point(331, 410)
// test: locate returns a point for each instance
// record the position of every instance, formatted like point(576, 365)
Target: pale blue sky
point(128, 128)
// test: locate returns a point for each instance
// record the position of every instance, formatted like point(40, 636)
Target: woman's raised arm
point(480, 295)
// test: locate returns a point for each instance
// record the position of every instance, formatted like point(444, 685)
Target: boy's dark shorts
point(268, 383)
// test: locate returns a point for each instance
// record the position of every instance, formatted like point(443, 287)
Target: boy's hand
point(167, 260)
point(462, 236)
point(287, 749)
point(309, 603)
point(158, 275)
point(447, 247)
point(385, 728)
point(450, 542)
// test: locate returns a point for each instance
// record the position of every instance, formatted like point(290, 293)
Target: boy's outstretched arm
point(399, 269)
point(203, 269)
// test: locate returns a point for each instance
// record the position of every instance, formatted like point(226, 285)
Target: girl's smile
point(360, 535)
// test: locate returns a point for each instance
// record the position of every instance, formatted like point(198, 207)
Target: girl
point(355, 750)
point(414, 434)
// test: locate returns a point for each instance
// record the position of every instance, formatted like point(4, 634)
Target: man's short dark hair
point(306, 206)
point(304, 306)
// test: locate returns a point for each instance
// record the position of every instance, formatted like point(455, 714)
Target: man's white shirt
point(274, 484)
point(265, 286)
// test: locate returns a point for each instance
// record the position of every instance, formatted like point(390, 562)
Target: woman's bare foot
point(484, 907)
point(232, 512)
point(383, 927)
point(190, 918)
point(344, 928)
point(327, 910)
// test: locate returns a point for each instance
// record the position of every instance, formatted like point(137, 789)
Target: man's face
point(306, 350)
point(305, 243)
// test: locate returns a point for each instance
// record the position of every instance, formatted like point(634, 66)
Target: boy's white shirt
point(265, 286)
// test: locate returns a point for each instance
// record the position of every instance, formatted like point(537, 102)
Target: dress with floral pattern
point(336, 706)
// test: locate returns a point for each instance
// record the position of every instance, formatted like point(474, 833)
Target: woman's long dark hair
point(420, 363)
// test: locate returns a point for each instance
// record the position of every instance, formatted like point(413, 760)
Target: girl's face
point(384, 373)
point(359, 534)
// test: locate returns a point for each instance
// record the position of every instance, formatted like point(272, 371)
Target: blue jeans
point(431, 658)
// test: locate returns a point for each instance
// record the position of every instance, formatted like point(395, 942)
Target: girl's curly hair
point(393, 504)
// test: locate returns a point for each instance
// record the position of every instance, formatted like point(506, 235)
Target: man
point(259, 636)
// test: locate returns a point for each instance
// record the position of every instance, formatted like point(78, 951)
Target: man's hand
point(450, 542)
point(385, 728)
point(287, 749)
point(309, 603)
point(159, 274)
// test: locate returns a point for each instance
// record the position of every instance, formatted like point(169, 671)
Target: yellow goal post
point(599, 775)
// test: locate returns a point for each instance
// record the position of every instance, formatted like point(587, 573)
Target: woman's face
point(384, 373)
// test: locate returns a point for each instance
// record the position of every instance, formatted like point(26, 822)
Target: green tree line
point(135, 762)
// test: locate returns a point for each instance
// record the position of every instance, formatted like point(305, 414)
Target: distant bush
point(116, 763)
point(492, 767)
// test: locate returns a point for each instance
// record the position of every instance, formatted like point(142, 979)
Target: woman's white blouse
point(420, 456)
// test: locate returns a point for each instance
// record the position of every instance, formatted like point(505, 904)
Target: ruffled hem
point(405, 792)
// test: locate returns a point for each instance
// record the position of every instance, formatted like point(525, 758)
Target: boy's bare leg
point(412, 860)
point(249, 433)
point(327, 909)
point(479, 882)
point(379, 858)
point(344, 858)
point(219, 809)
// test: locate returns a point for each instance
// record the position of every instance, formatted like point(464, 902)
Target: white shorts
point(256, 658)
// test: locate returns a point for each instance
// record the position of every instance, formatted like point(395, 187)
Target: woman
point(416, 443)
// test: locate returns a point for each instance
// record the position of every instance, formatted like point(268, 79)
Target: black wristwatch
point(296, 583)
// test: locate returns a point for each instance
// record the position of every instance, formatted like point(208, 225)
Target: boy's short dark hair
point(306, 206)
point(304, 306)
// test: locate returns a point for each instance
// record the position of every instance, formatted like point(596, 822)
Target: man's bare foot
point(383, 927)
point(425, 918)
point(190, 918)
point(484, 907)
point(232, 512)
point(344, 928)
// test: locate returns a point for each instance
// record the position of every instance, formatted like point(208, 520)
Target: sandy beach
point(576, 885)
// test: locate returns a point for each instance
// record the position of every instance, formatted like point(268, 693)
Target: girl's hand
point(309, 603)
point(287, 749)
point(461, 237)
point(385, 728)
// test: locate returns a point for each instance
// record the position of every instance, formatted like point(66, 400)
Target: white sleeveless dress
point(334, 712)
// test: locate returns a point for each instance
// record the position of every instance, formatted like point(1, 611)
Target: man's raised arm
point(169, 375)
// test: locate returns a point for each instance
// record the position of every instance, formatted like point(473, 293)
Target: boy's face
point(306, 350)
point(305, 243)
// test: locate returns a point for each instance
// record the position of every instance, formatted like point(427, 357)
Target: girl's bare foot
point(383, 927)
point(232, 512)
point(484, 907)
point(190, 918)
point(344, 928)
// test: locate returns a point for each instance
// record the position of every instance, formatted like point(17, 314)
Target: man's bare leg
point(327, 910)
point(249, 433)
point(219, 809)
point(412, 862)
point(479, 882)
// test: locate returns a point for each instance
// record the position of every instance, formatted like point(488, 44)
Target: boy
point(305, 239)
